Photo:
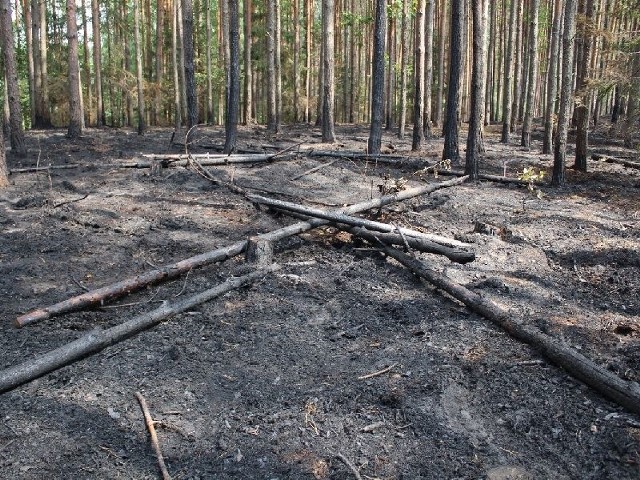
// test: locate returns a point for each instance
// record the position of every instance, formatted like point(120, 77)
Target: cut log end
point(259, 252)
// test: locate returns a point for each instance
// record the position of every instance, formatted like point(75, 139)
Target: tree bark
point(43, 113)
point(552, 79)
point(428, 66)
point(75, 109)
point(532, 75)
point(189, 65)
point(419, 82)
point(11, 76)
point(28, 30)
point(377, 77)
point(139, 80)
point(474, 138)
point(404, 62)
point(248, 67)
point(441, 63)
point(328, 83)
point(450, 151)
point(583, 90)
point(177, 105)
point(272, 119)
point(507, 84)
point(566, 97)
point(4, 170)
point(233, 94)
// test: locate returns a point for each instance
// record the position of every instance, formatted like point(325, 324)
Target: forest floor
point(264, 383)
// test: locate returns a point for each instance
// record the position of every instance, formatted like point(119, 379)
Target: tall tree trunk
point(278, 59)
point(328, 84)
point(404, 62)
point(633, 107)
point(532, 74)
point(566, 97)
point(418, 72)
point(97, 62)
point(43, 113)
point(583, 91)
point(552, 79)
point(11, 76)
point(189, 65)
point(441, 61)
point(474, 138)
point(428, 66)
point(208, 48)
point(233, 94)
point(28, 29)
point(391, 74)
point(75, 110)
point(272, 116)
point(519, 71)
point(377, 77)
point(450, 151)
point(296, 60)
point(248, 67)
point(4, 170)
point(177, 114)
point(86, 67)
point(160, 70)
point(139, 80)
point(507, 98)
point(308, 6)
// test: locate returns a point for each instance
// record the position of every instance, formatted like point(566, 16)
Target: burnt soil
point(264, 382)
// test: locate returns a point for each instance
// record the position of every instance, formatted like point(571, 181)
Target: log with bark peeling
point(611, 386)
point(337, 217)
point(131, 284)
point(99, 339)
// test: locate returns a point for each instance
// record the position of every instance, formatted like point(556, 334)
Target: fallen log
point(205, 159)
point(314, 169)
point(131, 284)
point(382, 158)
point(99, 339)
point(41, 169)
point(422, 245)
point(620, 161)
point(491, 178)
point(338, 217)
point(611, 386)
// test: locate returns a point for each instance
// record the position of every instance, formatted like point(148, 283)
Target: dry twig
point(378, 373)
point(154, 438)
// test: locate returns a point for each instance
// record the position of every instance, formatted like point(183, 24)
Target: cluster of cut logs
point(259, 251)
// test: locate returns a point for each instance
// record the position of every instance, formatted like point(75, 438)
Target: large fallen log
point(131, 284)
point(338, 217)
point(613, 387)
point(99, 339)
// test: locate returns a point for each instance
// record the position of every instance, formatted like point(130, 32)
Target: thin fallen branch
point(99, 339)
point(131, 284)
point(154, 437)
point(378, 373)
point(353, 221)
point(619, 161)
point(314, 169)
point(382, 158)
point(40, 169)
point(611, 386)
point(57, 205)
point(490, 178)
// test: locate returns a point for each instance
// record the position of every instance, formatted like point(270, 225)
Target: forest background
point(430, 64)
